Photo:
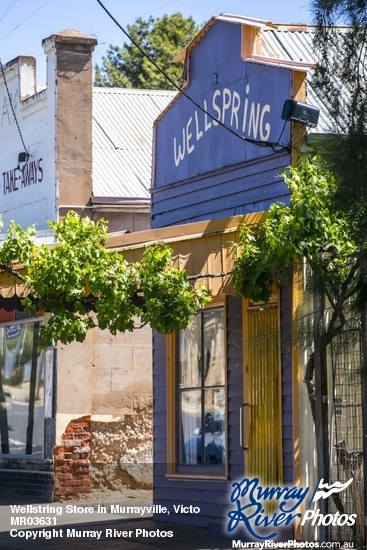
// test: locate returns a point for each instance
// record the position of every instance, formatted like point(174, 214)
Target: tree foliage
point(162, 39)
point(309, 227)
point(83, 284)
point(341, 81)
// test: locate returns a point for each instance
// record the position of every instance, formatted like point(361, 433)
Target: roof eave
point(281, 63)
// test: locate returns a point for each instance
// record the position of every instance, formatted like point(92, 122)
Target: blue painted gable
point(247, 97)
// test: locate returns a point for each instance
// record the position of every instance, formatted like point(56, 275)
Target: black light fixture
point(23, 157)
point(301, 113)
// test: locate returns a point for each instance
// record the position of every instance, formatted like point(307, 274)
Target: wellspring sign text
point(242, 114)
point(250, 500)
point(191, 138)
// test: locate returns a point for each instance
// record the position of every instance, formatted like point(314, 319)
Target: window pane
point(190, 355)
point(214, 426)
point(213, 353)
point(21, 391)
point(190, 436)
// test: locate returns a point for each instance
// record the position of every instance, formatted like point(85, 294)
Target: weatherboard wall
point(240, 189)
point(210, 495)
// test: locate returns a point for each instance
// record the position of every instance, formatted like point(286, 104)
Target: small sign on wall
point(12, 331)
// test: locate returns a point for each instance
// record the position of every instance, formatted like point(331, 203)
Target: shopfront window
point(21, 389)
point(202, 390)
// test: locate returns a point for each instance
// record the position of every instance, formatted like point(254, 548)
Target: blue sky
point(24, 23)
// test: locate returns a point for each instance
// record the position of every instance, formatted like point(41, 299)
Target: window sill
point(202, 477)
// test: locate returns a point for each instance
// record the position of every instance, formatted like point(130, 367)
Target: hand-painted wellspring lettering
point(249, 499)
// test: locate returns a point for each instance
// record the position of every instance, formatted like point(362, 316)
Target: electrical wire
point(258, 143)
point(300, 138)
point(24, 20)
point(12, 108)
point(281, 133)
point(141, 15)
point(7, 9)
point(209, 275)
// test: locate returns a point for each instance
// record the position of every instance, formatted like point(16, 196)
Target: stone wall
point(122, 453)
point(104, 457)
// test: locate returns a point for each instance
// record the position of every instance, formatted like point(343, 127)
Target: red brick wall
point(72, 460)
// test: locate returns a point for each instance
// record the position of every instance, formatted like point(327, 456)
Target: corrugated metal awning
point(281, 63)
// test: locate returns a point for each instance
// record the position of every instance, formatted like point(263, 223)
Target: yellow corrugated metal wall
point(263, 394)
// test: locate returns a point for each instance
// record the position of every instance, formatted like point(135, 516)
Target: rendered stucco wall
point(123, 221)
point(70, 55)
point(103, 387)
point(121, 372)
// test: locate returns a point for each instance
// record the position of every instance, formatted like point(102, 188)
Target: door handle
point(244, 441)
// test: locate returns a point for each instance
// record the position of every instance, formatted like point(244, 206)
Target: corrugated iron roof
point(295, 42)
point(122, 140)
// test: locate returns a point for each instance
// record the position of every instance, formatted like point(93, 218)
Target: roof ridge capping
point(294, 27)
point(248, 21)
point(131, 91)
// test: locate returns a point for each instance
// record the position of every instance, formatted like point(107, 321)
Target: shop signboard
point(229, 113)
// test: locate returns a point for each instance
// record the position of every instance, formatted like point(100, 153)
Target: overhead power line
point(7, 9)
point(24, 20)
point(12, 108)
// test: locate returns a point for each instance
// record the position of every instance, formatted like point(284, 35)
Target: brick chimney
point(69, 85)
